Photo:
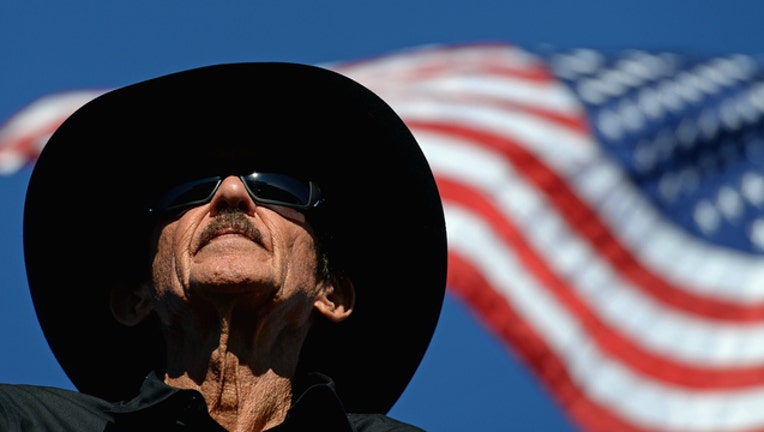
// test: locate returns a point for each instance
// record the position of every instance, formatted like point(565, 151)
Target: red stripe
point(607, 338)
point(448, 61)
point(467, 283)
point(575, 122)
point(27, 144)
point(589, 226)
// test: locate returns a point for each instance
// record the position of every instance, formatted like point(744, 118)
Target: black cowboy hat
point(86, 224)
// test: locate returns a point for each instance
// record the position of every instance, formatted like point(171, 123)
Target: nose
point(232, 195)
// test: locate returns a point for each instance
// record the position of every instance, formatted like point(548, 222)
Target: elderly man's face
point(233, 247)
point(232, 261)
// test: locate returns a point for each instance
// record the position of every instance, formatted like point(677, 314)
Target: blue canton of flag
point(687, 130)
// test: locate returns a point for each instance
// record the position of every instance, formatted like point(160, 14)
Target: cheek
point(294, 303)
point(168, 263)
point(162, 266)
point(303, 264)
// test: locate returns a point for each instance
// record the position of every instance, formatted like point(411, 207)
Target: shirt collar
point(153, 392)
point(318, 404)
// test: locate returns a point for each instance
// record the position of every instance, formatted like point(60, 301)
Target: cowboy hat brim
point(86, 225)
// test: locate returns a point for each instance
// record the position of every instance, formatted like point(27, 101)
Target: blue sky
point(468, 381)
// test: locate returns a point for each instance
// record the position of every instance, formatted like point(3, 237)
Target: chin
point(231, 282)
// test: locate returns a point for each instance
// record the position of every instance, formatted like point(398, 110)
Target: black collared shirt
point(159, 407)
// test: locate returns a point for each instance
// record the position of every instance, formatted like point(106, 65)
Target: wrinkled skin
point(236, 287)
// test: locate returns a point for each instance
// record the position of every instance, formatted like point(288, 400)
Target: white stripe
point(674, 255)
point(547, 96)
point(649, 404)
point(637, 398)
point(679, 257)
point(11, 161)
point(464, 72)
point(34, 124)
point(703, 269)
point(658, 329)
point(568, 148)
point(42, 113)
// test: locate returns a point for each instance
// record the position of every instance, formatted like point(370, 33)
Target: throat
point(240, 401)
point(222, 383)
point(239, 368)
point(240, 395)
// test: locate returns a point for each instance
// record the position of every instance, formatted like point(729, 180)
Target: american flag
point(605, 215)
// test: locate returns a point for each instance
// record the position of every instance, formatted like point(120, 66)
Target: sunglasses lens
point(188, 195)
point(266, 188)
point(278, 189)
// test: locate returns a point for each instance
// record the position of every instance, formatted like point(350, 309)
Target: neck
point(242, 367)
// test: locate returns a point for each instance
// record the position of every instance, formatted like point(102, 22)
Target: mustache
point(231, 221)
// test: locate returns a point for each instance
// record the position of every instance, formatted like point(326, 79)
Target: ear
point(337, 298)
point(130, 305)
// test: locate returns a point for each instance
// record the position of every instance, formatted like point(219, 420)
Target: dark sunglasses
point(264, 188)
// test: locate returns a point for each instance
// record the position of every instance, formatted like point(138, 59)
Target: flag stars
point(706, 217)
point(670, 96)
point(756, 97)
point(749, 112)
point(632, 114)
point(649, 66)
point(641, 70)
point(740, 111)
point(673, 185)
point(596, 82)
point(727, 71)
point(730, 203)
point(622, 107)
point(622, 77)
point(738, 66)
point(632, 117)
point(684, 127)
point(593, 91)
point(609, 125)
point(626, 117)
point(577, 63)
point(710, 79)
point(689, 86)
point(752, 189)
point(756, 233)
point(649, 102)
point(730, 115)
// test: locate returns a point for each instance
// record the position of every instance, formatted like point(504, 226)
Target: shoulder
point(379, 423)
point(40, 408)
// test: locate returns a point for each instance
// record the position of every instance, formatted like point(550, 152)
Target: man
point(241, 247)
